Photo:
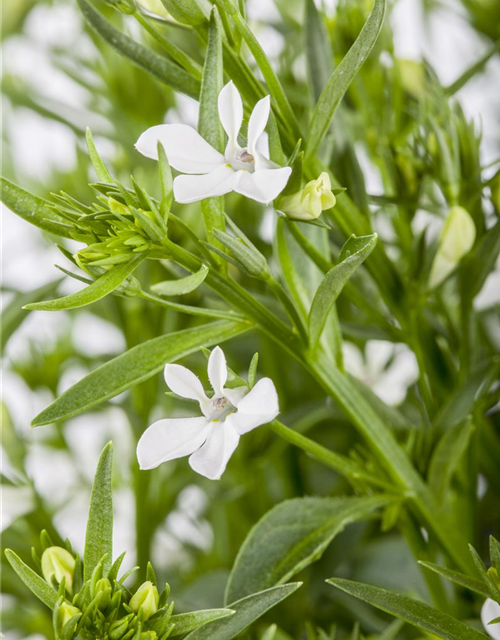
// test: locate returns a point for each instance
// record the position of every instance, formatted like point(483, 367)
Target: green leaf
point(100, 288)
point(135, 366)
point(478, 586)
point(247, 610)
point(187, 622)
point(353, 254)
point(342, 77)
point(416, 613)
point(32, 580)
point(291, 536)
point(209, 124)
point(158, 66)
point(318, 50)
point(446, 458)
point(100, 168)
point(181, 286)
point(99, 538)
point(33, 209)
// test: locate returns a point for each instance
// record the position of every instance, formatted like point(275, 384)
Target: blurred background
point(57, 80)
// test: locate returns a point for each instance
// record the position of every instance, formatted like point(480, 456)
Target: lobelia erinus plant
point(341, 270)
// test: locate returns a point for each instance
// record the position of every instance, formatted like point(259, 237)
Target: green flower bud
point(493, 574)
point(154, 6)
point(412, 76)
point(456, 240)
point(103, 586)
point(65, 613)
point(146, 600)
point(118, 207)
point(58, 563)
point(119, 627)
point(149, 635)
point(186, 11)
point(311, 201)
point(495, 193)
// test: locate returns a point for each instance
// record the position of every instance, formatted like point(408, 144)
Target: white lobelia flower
point(491, 611)
point(247, 170)
point(209, 440)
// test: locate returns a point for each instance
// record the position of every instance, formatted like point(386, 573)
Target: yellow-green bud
point(65, 613)
point(118, 207)
point(103, 586)
point(186, 11)
point(456, 240)
point(58, 563)
point(412, 76)
point(493, 574)
point(146, 600)
point(495, 193)
point(155, 6)
point(149, 635)
point(311, 201)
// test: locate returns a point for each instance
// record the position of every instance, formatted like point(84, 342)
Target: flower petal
point(259, 406)
point(169, 439)
point(263, 185)
point(216, 183)
point(231, 115)
point(185, 384)
point(186, 150)
point(217, 370)
point(211, 459)
point(257, 122)
point(235, 395)
point(490, 611)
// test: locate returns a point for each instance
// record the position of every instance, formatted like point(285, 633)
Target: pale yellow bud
point(311, 201)
point(456, 240)
point(412, 77)
point(155, 6)
point(58, 563)
point(66, 612)
point(145, 599)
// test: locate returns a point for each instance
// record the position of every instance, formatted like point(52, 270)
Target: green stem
point(394, 459)
point(334, 461)
point(194, 311)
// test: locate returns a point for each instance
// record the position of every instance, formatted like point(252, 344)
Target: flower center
point(221, 408)
point(242, 159)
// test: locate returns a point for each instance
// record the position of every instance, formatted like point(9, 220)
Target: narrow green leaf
point(318, 50)
point(32, 580)
point(187, 622)
point(158, 66)
point(135, 366)
point(181, 286)
point(478, 586)
point(33, 209)
point(416, 613)
point(100, 168)
point(477, 266)
point(99, 537)
point(247, 610)
point(342, 77)
point(353, 254)
point(446, 458)
point(100, 288)
point(209, 124)
point(291, 536)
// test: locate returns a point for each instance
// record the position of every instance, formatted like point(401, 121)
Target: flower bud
point(145, 600)
point(186, 11)
point(58, 563)
point(65, 613)
point(103, 586)
point(149, 635)
point(456, 240)
point(493, 575)
point(119, 627)
point(412, 76)
point(311, 201)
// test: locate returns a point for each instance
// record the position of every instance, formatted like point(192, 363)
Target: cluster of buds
point(102, 607)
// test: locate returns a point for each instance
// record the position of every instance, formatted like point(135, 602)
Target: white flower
point(211, 439)
point(245, 170)
point(490, 611)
